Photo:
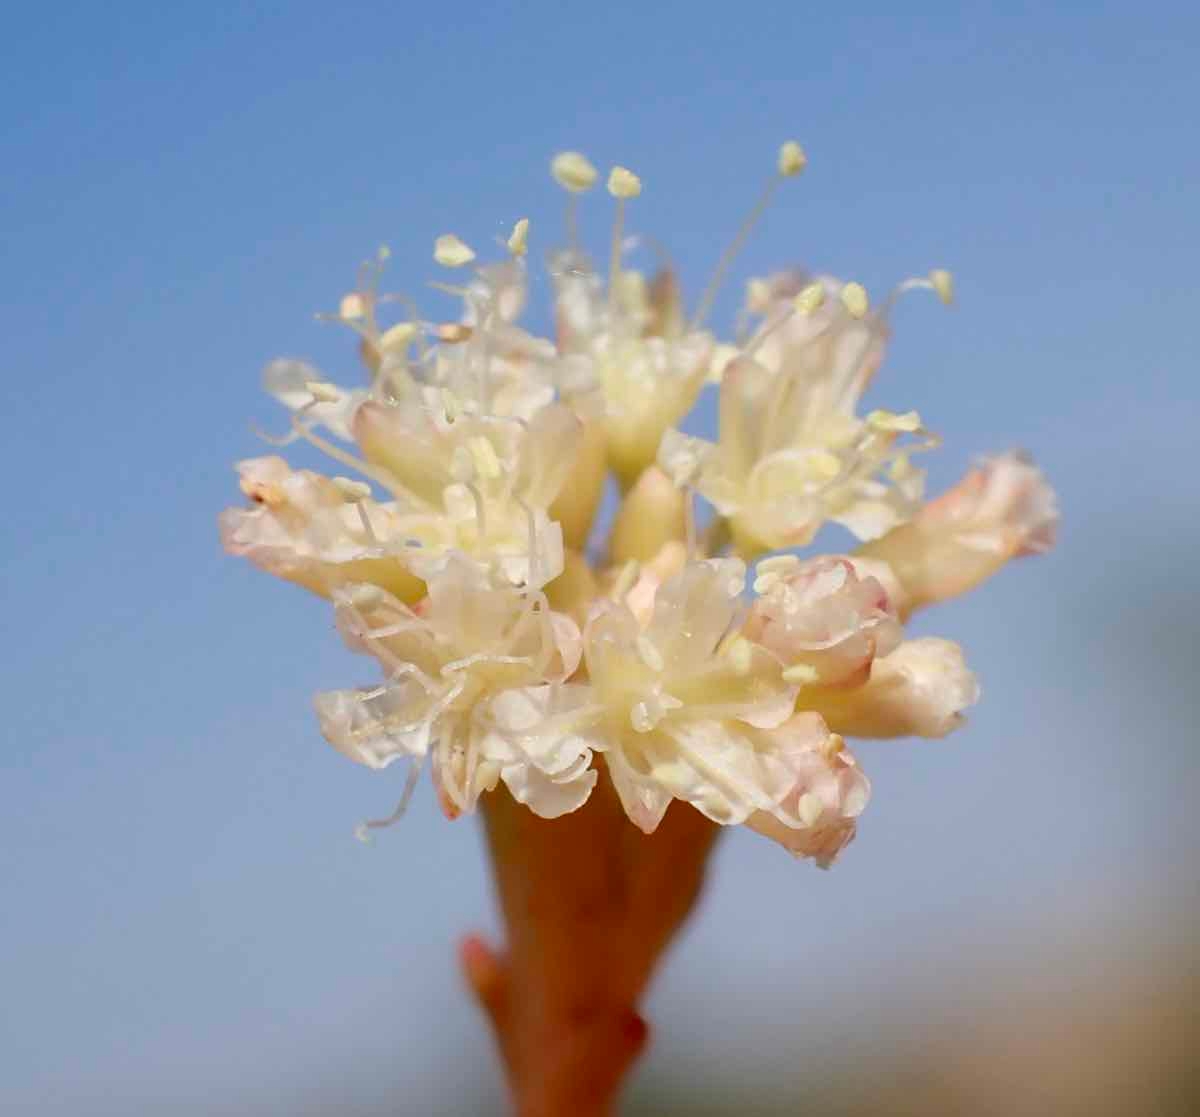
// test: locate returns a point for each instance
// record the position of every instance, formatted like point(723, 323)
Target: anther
point(451, 252)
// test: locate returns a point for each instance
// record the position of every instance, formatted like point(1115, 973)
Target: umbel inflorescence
point(710, 664)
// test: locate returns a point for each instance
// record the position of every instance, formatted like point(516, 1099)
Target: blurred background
point(188, 926)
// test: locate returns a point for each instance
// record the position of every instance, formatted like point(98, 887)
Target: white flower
point(450, 665)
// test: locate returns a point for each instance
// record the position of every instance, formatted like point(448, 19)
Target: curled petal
point(920, 690)
point(378, 725)
point(817, 816)
point(823, 615)
point(538, 739)
point(1002, 509)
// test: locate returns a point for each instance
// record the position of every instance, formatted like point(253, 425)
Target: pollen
point(396, 338)
point(352, 490)
point(451, 252)
point(623, 183)
point(943, 285)
point(811, 299)
point(792, 159)
point(891, 422)
point(352, 307)
point(518, 240)
point(855, 300)
point(573, 171)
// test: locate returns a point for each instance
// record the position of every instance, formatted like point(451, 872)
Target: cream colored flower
point(649, 380)
point(919, 690)
point(791, 451)
point(306, 528)
point(1002, 509)
point(450, 664)
point(678, 705)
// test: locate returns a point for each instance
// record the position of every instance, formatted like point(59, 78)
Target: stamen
point(363, 831)
point(353, 491)
point(352, 306)
point(573, 171)
point(892, 423)
point(943, 285)
point(855, 300)
point(518, 241)
point(790, 163)
point(451, 252)
point(622, 184)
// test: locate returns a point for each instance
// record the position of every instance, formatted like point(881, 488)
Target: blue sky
point(188, 922)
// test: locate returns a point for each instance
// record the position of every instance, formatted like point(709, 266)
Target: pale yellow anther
point(810, 808)
point(518, 239)
point(824, 464)
point(451, 252)
point(483, 455)
point(650, 655)
point(452, 332)
point(623, 183)
point(322, 391)
point(384, 253)
point(573, 171)
point(901, 469)
point(854, 299)
point(352, 307)
point(943, 285)
point(792, 159)
point(812, 298)
point(800, 673)
point(891, 422)
point(626, 579)
point(352, 490)
point(396, 338)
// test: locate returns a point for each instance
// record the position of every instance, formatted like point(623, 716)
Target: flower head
point(456, 543)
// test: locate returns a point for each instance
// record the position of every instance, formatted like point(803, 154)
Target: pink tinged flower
point(679, 700)
point(319, 532)
point(920, 690)
point(817, 817)
point(1002, 509)
point(446, 663)
point(822, 619)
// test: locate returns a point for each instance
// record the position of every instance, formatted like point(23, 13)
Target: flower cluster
point(711, 664)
